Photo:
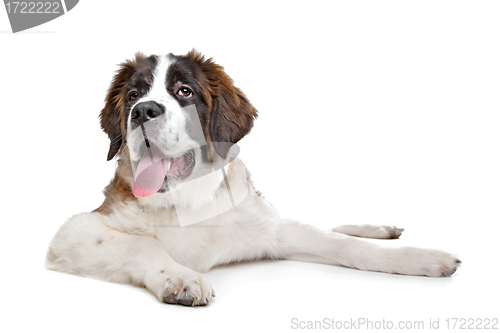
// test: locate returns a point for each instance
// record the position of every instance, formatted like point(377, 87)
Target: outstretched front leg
point(306, 243)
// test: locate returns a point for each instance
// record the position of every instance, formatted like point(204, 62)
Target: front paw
point(186, 288)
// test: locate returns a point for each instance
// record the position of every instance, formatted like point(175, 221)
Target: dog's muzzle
point(146, 111)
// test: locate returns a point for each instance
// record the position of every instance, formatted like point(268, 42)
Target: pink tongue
point(150, 174)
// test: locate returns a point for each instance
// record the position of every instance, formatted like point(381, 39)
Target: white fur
point(138, 242)
point(171, 125)
point(143, 242)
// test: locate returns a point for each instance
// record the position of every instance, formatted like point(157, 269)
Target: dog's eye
point(132, 96)
point(185, 91)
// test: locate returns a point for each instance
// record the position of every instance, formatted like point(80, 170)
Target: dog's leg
point(306, 243)
point(86, 246)
point(369, 231)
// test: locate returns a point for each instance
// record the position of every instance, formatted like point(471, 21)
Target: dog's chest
point(235, 235)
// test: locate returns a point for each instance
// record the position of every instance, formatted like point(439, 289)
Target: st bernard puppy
point(181, 201)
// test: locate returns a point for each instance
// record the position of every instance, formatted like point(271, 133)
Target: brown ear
point(231, 114)
point(112, 116)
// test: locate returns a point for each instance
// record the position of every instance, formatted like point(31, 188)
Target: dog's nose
point(145, 111)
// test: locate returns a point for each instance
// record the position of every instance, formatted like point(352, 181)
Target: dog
point(181, 201)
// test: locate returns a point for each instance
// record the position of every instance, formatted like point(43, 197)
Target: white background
point(382, 112)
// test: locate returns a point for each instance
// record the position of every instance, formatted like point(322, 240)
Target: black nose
point(145, 111)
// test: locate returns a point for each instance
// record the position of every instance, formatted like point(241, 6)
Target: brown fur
point(118, 189)
point(113, 114)
point(230, 117)
point(113, 123)
point(231, 114)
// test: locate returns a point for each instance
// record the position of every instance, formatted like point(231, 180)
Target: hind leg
point(369, 231)
point(306, 243)
point(85, 246)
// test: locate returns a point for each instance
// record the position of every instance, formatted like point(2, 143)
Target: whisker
point(116, 138)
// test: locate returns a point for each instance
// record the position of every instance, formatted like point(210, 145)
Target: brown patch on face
point(112, 117)
point(113, 122)
point(226, 118)
point(231, 115)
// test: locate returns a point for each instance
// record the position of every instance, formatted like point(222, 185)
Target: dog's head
point(176, 115)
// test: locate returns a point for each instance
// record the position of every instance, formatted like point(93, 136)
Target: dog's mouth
point(156, 172)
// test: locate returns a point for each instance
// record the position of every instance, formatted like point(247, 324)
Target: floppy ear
point(112, 116)
point(231, 114)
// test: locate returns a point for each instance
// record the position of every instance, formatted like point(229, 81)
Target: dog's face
point(173, 116)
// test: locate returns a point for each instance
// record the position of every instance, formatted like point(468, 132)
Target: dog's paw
point(388, 232)
point(441, 264)
point(186, 288)
point(426, 262)
point(369, 231)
